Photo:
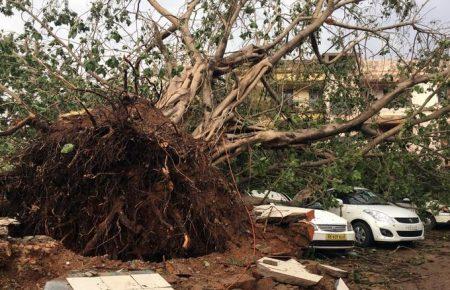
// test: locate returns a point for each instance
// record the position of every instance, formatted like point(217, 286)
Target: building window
point(316, 98)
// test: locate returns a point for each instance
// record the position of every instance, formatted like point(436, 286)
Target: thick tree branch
point(17, 126)
point(435, 115)
point(271, 138)
point(228, 25)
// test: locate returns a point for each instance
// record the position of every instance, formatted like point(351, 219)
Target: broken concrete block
point(277, 213)
point(112, 281)
point(291, 272)
point(332, 271)
point(270, 262)
point(340, 285)
point(5, 221)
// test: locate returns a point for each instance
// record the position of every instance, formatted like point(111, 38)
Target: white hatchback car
point(331, 231)
point(435, 212)
point(373, 219)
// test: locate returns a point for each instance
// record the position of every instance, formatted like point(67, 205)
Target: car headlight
point(349, 226)
point(379, 216)
point(316, 228)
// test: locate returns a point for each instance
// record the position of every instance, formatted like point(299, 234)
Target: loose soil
point(125, 182)
point(422, 265)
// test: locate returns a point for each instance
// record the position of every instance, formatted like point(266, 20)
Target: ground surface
point(424, 265)
point(420, 266)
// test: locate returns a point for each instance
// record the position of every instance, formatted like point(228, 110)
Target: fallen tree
point(200, 87)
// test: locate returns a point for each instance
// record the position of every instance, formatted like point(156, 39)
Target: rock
point(332, 271)
point(240, 281)
point(265, 284)
point(286, 287)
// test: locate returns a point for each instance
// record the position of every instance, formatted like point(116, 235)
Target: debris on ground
point(110, 281)
point(5, 222)
point(340, 285)
point(332, 271)
point(290, 271)
point(36, 260)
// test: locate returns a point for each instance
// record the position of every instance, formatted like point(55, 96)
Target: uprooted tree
point(130, 105)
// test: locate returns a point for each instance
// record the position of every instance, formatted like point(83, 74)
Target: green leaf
point(116, 36)
point(112, 62)
point(67, 148)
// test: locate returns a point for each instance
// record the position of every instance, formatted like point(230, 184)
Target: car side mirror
point(406, 200)
point(340, 202)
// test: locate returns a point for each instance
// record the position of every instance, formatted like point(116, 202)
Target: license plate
point(336, 237)
point(412, 228)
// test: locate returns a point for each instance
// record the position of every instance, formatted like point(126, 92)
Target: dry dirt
point(422, 265)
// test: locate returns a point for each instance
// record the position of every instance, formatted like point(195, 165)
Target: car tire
point(363, 234)
point(429, 221)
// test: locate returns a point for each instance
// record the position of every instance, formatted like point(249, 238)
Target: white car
point(436, 213)
point(330, 231)
point(272, 196)
point(373, 219)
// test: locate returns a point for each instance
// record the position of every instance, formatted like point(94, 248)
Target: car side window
point(345, 199)
point(342, 196)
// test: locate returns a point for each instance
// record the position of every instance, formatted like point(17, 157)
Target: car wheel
point(429, 221)
point(363, 234)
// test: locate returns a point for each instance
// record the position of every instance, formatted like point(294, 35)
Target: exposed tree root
point(131, 187)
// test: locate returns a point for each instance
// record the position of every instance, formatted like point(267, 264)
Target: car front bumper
point(442, 218)
point(333, 240)
point(400, 232)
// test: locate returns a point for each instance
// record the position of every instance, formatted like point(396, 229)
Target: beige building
point(299, 85)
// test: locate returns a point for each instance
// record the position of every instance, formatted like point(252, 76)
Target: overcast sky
point(437, 10)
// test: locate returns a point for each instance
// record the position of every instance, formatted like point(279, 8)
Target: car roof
point(355, 187)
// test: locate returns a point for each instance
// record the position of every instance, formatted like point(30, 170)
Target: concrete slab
point(83, 283)
point(290, 272)
point(120, 282)
point(151, 281)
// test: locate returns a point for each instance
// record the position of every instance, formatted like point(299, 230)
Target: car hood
point(322, 217)
point(391, 210)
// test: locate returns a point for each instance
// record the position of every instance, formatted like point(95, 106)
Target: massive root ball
point(123, 182)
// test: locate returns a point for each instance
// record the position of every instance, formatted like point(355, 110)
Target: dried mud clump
point(123, 182)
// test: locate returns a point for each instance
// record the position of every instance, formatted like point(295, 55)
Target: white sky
point(437, 10)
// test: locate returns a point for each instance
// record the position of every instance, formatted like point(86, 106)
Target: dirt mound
point(123, 182)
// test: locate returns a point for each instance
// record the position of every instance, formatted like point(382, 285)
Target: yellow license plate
point(336, 237)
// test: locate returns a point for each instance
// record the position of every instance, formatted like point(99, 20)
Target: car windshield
point(366, 197)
